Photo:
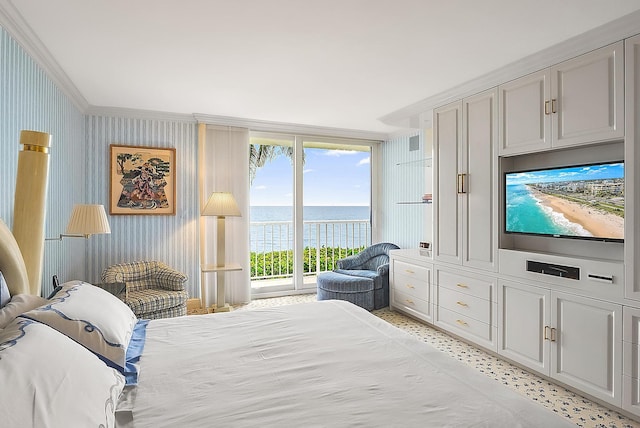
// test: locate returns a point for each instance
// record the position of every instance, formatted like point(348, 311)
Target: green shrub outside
point(280, 263)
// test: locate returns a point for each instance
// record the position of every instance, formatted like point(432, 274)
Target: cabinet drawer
point(410, 270)
point(464, 324)
point(464, 304)
point(404, 300)
point(477, 287)
point(411, 285)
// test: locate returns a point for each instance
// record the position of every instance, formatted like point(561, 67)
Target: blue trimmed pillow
point(92, 317)
point(49, 380)
point(5, 296)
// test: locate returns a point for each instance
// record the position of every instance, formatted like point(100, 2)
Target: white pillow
point(19, 303)
point(48, 380)
point(5, 296)
point(92, 317)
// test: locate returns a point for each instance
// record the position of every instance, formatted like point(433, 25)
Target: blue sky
point(593, 172)
point(331, 177)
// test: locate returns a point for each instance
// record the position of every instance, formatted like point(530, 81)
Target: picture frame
point(142, 180)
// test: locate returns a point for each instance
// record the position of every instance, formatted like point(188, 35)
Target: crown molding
point(267, 126)
point(132, 113)
point(21, 32)
point(415, 114)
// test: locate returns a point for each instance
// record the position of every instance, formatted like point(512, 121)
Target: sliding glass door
point(310, 205)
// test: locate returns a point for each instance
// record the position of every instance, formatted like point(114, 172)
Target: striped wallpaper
point(171, 239)
point(29, 100)
point(405, 177)
point(79, 174)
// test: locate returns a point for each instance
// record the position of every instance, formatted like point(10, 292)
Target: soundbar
point(568, 272)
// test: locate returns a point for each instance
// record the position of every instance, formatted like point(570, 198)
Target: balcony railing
point(325, 242)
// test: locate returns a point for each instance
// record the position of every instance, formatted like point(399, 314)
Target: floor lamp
point(221, 205)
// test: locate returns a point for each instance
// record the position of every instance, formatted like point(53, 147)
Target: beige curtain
point(223, 155)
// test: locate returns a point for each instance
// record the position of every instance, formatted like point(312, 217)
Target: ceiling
point(331, 63)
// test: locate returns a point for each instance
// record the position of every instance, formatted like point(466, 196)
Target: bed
point(83, 359)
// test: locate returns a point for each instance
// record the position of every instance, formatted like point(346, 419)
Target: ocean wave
point(565, 224)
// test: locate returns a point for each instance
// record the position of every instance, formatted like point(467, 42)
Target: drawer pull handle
point(409, 301)
point(462, 322)
point(462, 285)
point(546, 332)
point(409, 271)
point(410, 286)
point(553, 334)
point(462, 304)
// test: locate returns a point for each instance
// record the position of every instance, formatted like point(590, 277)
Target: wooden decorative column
point(29, 207)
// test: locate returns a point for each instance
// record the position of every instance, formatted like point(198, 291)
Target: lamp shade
point(221, 204)
point(88, 220)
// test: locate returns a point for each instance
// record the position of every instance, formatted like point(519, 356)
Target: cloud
point(365, 161)
point(307, 170)
point(261, 187)
point(340, 152)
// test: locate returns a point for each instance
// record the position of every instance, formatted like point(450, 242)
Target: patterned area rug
point(581, 411)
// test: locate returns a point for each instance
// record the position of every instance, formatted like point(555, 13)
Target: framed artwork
point(142, 180)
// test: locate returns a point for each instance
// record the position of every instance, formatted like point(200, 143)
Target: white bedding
point(322, 364)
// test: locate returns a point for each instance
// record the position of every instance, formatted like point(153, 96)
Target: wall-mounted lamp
point(85, 220)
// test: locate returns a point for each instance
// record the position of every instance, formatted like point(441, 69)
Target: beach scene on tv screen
point(584, 201)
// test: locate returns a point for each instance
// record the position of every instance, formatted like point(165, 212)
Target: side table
point(220, 306)
point(118, 289)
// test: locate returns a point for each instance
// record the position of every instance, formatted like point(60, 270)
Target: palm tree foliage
point(260, 154)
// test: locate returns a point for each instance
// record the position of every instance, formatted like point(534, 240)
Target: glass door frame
point(298, 286)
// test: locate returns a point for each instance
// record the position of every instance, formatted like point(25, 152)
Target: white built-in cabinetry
point(465, 304)
point(410, 283)
point(571, 338)
point(631, 360)
point(465, 184)
point(632, 158)
point(577, 101)
point(582, 332)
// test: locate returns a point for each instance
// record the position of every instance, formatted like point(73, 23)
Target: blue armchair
point(362, 278)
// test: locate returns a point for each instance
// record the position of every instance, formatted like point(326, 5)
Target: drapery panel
point(223, 158)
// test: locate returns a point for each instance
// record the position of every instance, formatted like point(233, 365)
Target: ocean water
point(311, 213)
point(524, 213)
point(277, 237)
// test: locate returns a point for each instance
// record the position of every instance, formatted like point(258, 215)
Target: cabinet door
point(524, 126)
point(632, 160)
point(587, 345)
point(631, 360)
point(447, 130)
point(479, 225)
point(523, 319)
point(587, 99)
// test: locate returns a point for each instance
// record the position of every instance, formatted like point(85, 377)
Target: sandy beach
point(597, 222)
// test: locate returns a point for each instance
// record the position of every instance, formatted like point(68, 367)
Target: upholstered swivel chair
point(152, 289)
point(362, 279)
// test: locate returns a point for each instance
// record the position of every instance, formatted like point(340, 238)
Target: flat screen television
point(581, 202)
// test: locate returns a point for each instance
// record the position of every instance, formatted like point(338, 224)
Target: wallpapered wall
point(79, 164)
point(172, 239)
point(405, 177)
point(29, 100)
point(78, 173)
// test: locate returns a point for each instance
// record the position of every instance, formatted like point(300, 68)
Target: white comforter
point(322, 364)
